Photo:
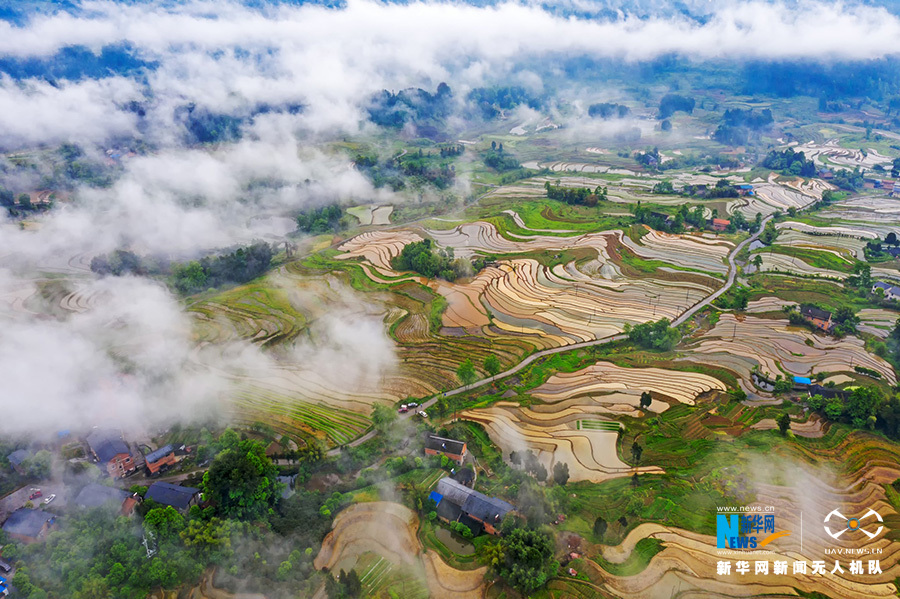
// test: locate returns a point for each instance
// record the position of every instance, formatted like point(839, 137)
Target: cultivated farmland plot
point(589, 451)
point(606, 377)
point(779, 348)
point(379, 540)
point(688, 559)
point(823, 239)
point(831, 153)
point(772, 197)
point(789, 264)
point(564, 304)
point(877, 321)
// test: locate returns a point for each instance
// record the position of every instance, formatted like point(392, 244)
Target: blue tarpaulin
point(802, 380)
point(436, 497)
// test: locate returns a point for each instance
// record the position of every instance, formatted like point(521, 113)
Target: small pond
point(453, 543)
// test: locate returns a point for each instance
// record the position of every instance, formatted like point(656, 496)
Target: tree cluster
point(414, 105)
point(789, 162)
point(576, 195)
point(738, 126)
point(323, 219)
point(604, 110)
point(242, 265)
point(490, 102)
point(672, 103)
point(653, 335)
point(500, 161)
point(527, 559)
point(423, 258)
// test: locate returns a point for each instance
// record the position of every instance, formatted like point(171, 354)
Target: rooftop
point(436, 443)
point(94, 495)
point(18, 456)
point(27, 522)
point(107, 444)
point(474, 503)
point(813, 312)
point(159, 453)
point(168, 494)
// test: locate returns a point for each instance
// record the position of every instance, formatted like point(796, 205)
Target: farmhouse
point(455, 450)
point(896, 190)
point(111, 451)
point(458, 503)
point(17, 459)
point(821, 319)
point(891, 292)
point(160, 459)
point(94, 496)
point(28, 526)
point(745, 189)
point(180, 498)
point(720, 224)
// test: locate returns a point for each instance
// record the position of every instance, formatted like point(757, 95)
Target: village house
point(458, 503)
point(891, 292)
point(720, 224)
point(745, 189)
point(895, 192)
point(17, 459)
point(180, 498)
point(28, 526)
point(94, 496)
point(821, 319)
point(112, 453)
point(161, 459)
point(455, 450)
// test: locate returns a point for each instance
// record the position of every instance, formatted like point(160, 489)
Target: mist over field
point(628, 261)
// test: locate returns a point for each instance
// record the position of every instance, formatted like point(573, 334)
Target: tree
point(757, 261)
point(383, 417)
point(25, 201)
point(164, 522)
point(891, 239)
point(560, 473)
point(600, 526)
point(241, 483)
point(646, 399)
point(466, 373)
point(834, 408)
point(784, 423)
point(492, 364)
point(636, 452)
point(737, 395)
point(38, 465)
point(527, 559)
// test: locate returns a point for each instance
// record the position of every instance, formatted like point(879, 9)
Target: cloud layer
point(227, 57)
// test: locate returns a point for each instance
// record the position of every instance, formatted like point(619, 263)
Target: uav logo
point(852, 524)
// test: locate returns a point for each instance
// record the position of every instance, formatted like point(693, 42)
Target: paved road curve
point(732, 275)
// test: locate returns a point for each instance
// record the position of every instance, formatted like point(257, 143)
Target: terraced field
point(864, 465)
point(778, 348)
point(605, 377)
point(379, 540)
point(566, 303)
point(772, 262)
point(772, 197)
point(557, 436)
point(877, 321)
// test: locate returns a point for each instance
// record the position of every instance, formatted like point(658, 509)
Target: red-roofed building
point(720, 224)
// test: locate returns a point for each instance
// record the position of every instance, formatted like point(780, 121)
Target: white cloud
point(226, 57)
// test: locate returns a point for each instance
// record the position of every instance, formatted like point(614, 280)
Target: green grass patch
point(635, 563)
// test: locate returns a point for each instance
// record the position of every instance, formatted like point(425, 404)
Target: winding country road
point(732, 275)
